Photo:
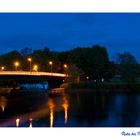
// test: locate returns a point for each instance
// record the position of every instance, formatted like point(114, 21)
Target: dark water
point(87, 109)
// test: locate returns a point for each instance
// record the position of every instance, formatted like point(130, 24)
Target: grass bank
point(102, 86)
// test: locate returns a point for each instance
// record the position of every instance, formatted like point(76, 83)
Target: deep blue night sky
point(118, 32)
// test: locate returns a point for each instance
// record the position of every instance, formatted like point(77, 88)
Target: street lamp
point(65, 66)
point(30, 60)
point(50, 63)
point(2, 68)
point(16, 65)
point(35, 68)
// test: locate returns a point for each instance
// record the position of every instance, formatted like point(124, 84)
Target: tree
point(56, 62)
point(39, 58)
point(8, 60)
point(127, 67)
point(73, 73)
point(46, 52)
point(93, 61)
point(26, 52)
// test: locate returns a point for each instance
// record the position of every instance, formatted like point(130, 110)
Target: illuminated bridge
point(23, 77)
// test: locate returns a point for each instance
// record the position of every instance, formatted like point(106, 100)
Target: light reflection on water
point(51, 108)
point(71, 110)
point(30, 123)
point(65, 106)
point(17, 122)
point(3, 102)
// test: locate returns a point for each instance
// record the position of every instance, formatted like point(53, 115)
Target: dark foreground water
point(86, 109)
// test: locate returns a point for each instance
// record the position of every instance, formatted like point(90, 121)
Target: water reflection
point(130, 111)
point(89, 109)
point(30, 122)
point(65, 106)
point(3, 103)
point(51, 108)
point(17, 122)
point(115, 110)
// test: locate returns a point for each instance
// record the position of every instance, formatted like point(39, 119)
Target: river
point(77, 109)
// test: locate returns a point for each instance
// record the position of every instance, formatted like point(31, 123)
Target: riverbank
point(101, 87)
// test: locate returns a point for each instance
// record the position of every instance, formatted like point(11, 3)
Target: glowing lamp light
point(35, 67)
point(65, 106)
point(50, 62)
point(29, 59)
point(16, 64)
point(2, 68)
point(65, 65)
point(51, 107)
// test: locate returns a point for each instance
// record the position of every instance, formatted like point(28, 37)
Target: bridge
point(32, 73)
point(24, 77)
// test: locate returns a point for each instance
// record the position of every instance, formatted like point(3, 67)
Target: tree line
point(89, 63)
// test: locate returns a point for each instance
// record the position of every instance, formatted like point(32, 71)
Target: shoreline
point(101, 87)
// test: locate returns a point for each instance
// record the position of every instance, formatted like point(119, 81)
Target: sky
point(117, 32)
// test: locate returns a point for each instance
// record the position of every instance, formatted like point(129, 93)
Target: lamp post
point(35, 68)
point(65, 71)
point(16, 65)
point(2, 68)
point(65, 66)
point(51, 63)
point(30, 61)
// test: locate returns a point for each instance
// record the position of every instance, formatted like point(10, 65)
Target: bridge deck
point(32, 73)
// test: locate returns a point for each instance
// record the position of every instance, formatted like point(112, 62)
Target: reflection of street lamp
point(35, 68)
point(16, 65)
point(50, 63)
point(51, 108)
point(30, 60)
point(17, 122)
point(3, 103)
point(30, 125)
point(65, 106)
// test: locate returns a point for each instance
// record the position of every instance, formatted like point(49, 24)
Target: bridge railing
point(32, 73)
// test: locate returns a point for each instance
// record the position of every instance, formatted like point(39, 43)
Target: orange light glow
point(65, 106)
point(50, 62)
point(27, 73)
point(65, 65)
point(51, 118)
point(3, 108)
point(30, 123)
point(17, 122)
point(35, 68)
point(3, 103)
point(2, 68)
point(29, 59)
point(51, 107)
point(16, 64)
